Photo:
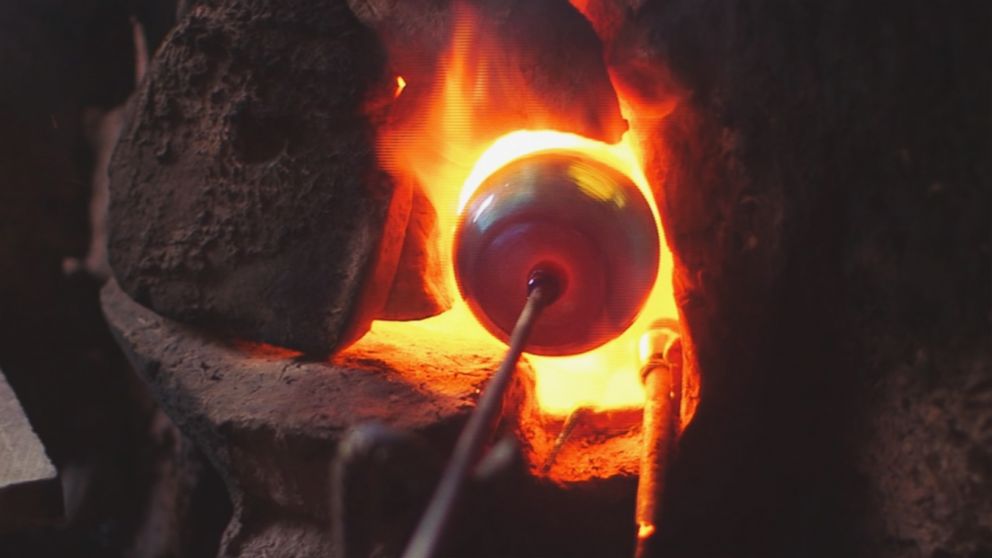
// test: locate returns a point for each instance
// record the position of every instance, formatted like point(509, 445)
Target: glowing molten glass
point(579, 220)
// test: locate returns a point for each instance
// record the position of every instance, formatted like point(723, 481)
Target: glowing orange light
point(400, 86)
point(450, 148)
point(645, 530)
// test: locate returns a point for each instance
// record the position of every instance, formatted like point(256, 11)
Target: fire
point(449, 138)
point(645, 530)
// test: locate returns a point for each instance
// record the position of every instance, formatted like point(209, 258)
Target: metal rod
point(566, 432)
point(662, 377)
point(543, 290)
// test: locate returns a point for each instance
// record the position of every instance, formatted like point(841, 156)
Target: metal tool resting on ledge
point(555, 253)
point(661, 372)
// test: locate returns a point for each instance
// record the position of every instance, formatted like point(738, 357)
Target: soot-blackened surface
point(826, 190)
point(245, 192)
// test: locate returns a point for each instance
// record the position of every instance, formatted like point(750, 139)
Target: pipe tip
point(549, 280)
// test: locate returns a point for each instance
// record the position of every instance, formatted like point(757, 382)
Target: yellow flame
point(645, 530)
point(454, 140)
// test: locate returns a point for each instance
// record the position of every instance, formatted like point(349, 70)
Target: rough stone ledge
point(271, 423)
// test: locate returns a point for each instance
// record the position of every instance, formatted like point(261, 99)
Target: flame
point(449, 143)
point(400, 86)
point(645, 530)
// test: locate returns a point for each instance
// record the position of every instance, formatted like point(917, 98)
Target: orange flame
point(456, 137)
point(645, 530)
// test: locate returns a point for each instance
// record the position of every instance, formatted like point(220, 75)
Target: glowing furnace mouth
point(607, 376)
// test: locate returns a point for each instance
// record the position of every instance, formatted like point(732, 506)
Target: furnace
point(495, 278)
point(328, 220)
point(487, 146)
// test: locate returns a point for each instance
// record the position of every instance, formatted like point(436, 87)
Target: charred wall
point(65, 66)
point(827, 193)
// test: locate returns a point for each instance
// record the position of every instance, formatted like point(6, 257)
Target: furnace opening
point(449, 131)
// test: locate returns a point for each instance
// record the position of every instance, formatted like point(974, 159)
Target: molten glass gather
point(569, 215)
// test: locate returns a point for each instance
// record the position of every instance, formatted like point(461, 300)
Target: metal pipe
point(661, 353)
point(544, 289)
point(566, 432)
